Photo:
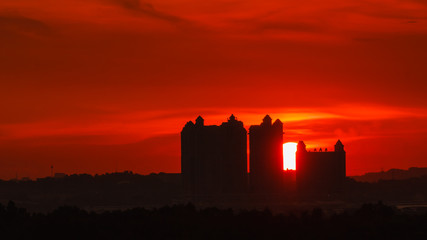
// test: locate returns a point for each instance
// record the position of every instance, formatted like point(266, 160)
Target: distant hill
point(392, 174)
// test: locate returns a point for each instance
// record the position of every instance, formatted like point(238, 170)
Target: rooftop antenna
point(51, 170)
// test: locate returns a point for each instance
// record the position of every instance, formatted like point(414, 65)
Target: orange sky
point(102, 85)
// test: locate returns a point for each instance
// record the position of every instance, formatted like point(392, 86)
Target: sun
point(289, 150)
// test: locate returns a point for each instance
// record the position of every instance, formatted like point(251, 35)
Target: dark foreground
point(370, 221)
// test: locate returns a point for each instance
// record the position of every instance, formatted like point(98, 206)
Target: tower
point(213, 158)
point(339, 147)
point(266, 156)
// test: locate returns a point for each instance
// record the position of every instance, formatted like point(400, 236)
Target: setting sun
point(289, 150)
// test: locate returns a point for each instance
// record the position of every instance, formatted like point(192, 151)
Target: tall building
point(214, 158)
point(266, 156)
point(214, 161)
point(320, 171)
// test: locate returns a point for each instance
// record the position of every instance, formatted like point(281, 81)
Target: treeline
point(371, 221)
point(84, 190)
point(127, 190)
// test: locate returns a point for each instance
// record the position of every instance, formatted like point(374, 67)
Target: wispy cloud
point(147, 9)
point(25, 26)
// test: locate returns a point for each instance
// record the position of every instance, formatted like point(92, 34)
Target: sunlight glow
point(289, 150)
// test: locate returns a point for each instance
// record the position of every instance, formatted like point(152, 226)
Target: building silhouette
point(214, 162)
point(320, 172)
point(266, 156)
point(214, 158)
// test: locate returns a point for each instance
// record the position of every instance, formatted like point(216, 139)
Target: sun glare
point(289, 150)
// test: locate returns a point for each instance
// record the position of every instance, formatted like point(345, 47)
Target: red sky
point(103, 85)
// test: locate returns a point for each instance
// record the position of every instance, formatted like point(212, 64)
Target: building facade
point(320, 171)
point(266, 156)
point(214, 158)
point(214, 161)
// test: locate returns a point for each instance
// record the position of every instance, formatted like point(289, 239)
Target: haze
point(95, 86)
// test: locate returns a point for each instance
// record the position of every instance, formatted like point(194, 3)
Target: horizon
point(159, 173)
point(139, 148)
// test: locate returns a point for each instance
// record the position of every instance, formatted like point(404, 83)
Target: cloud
point(289, 26)
point(146, 9)
point(21, 25)
point(151, 73)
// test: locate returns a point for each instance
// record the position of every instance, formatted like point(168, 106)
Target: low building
point(320, 171)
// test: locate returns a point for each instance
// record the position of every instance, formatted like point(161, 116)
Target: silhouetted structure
point(214, 161)
point(320, 172)
point(214, 158)
point(266, 156)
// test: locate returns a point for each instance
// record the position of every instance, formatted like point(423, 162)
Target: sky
point(95, 86)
